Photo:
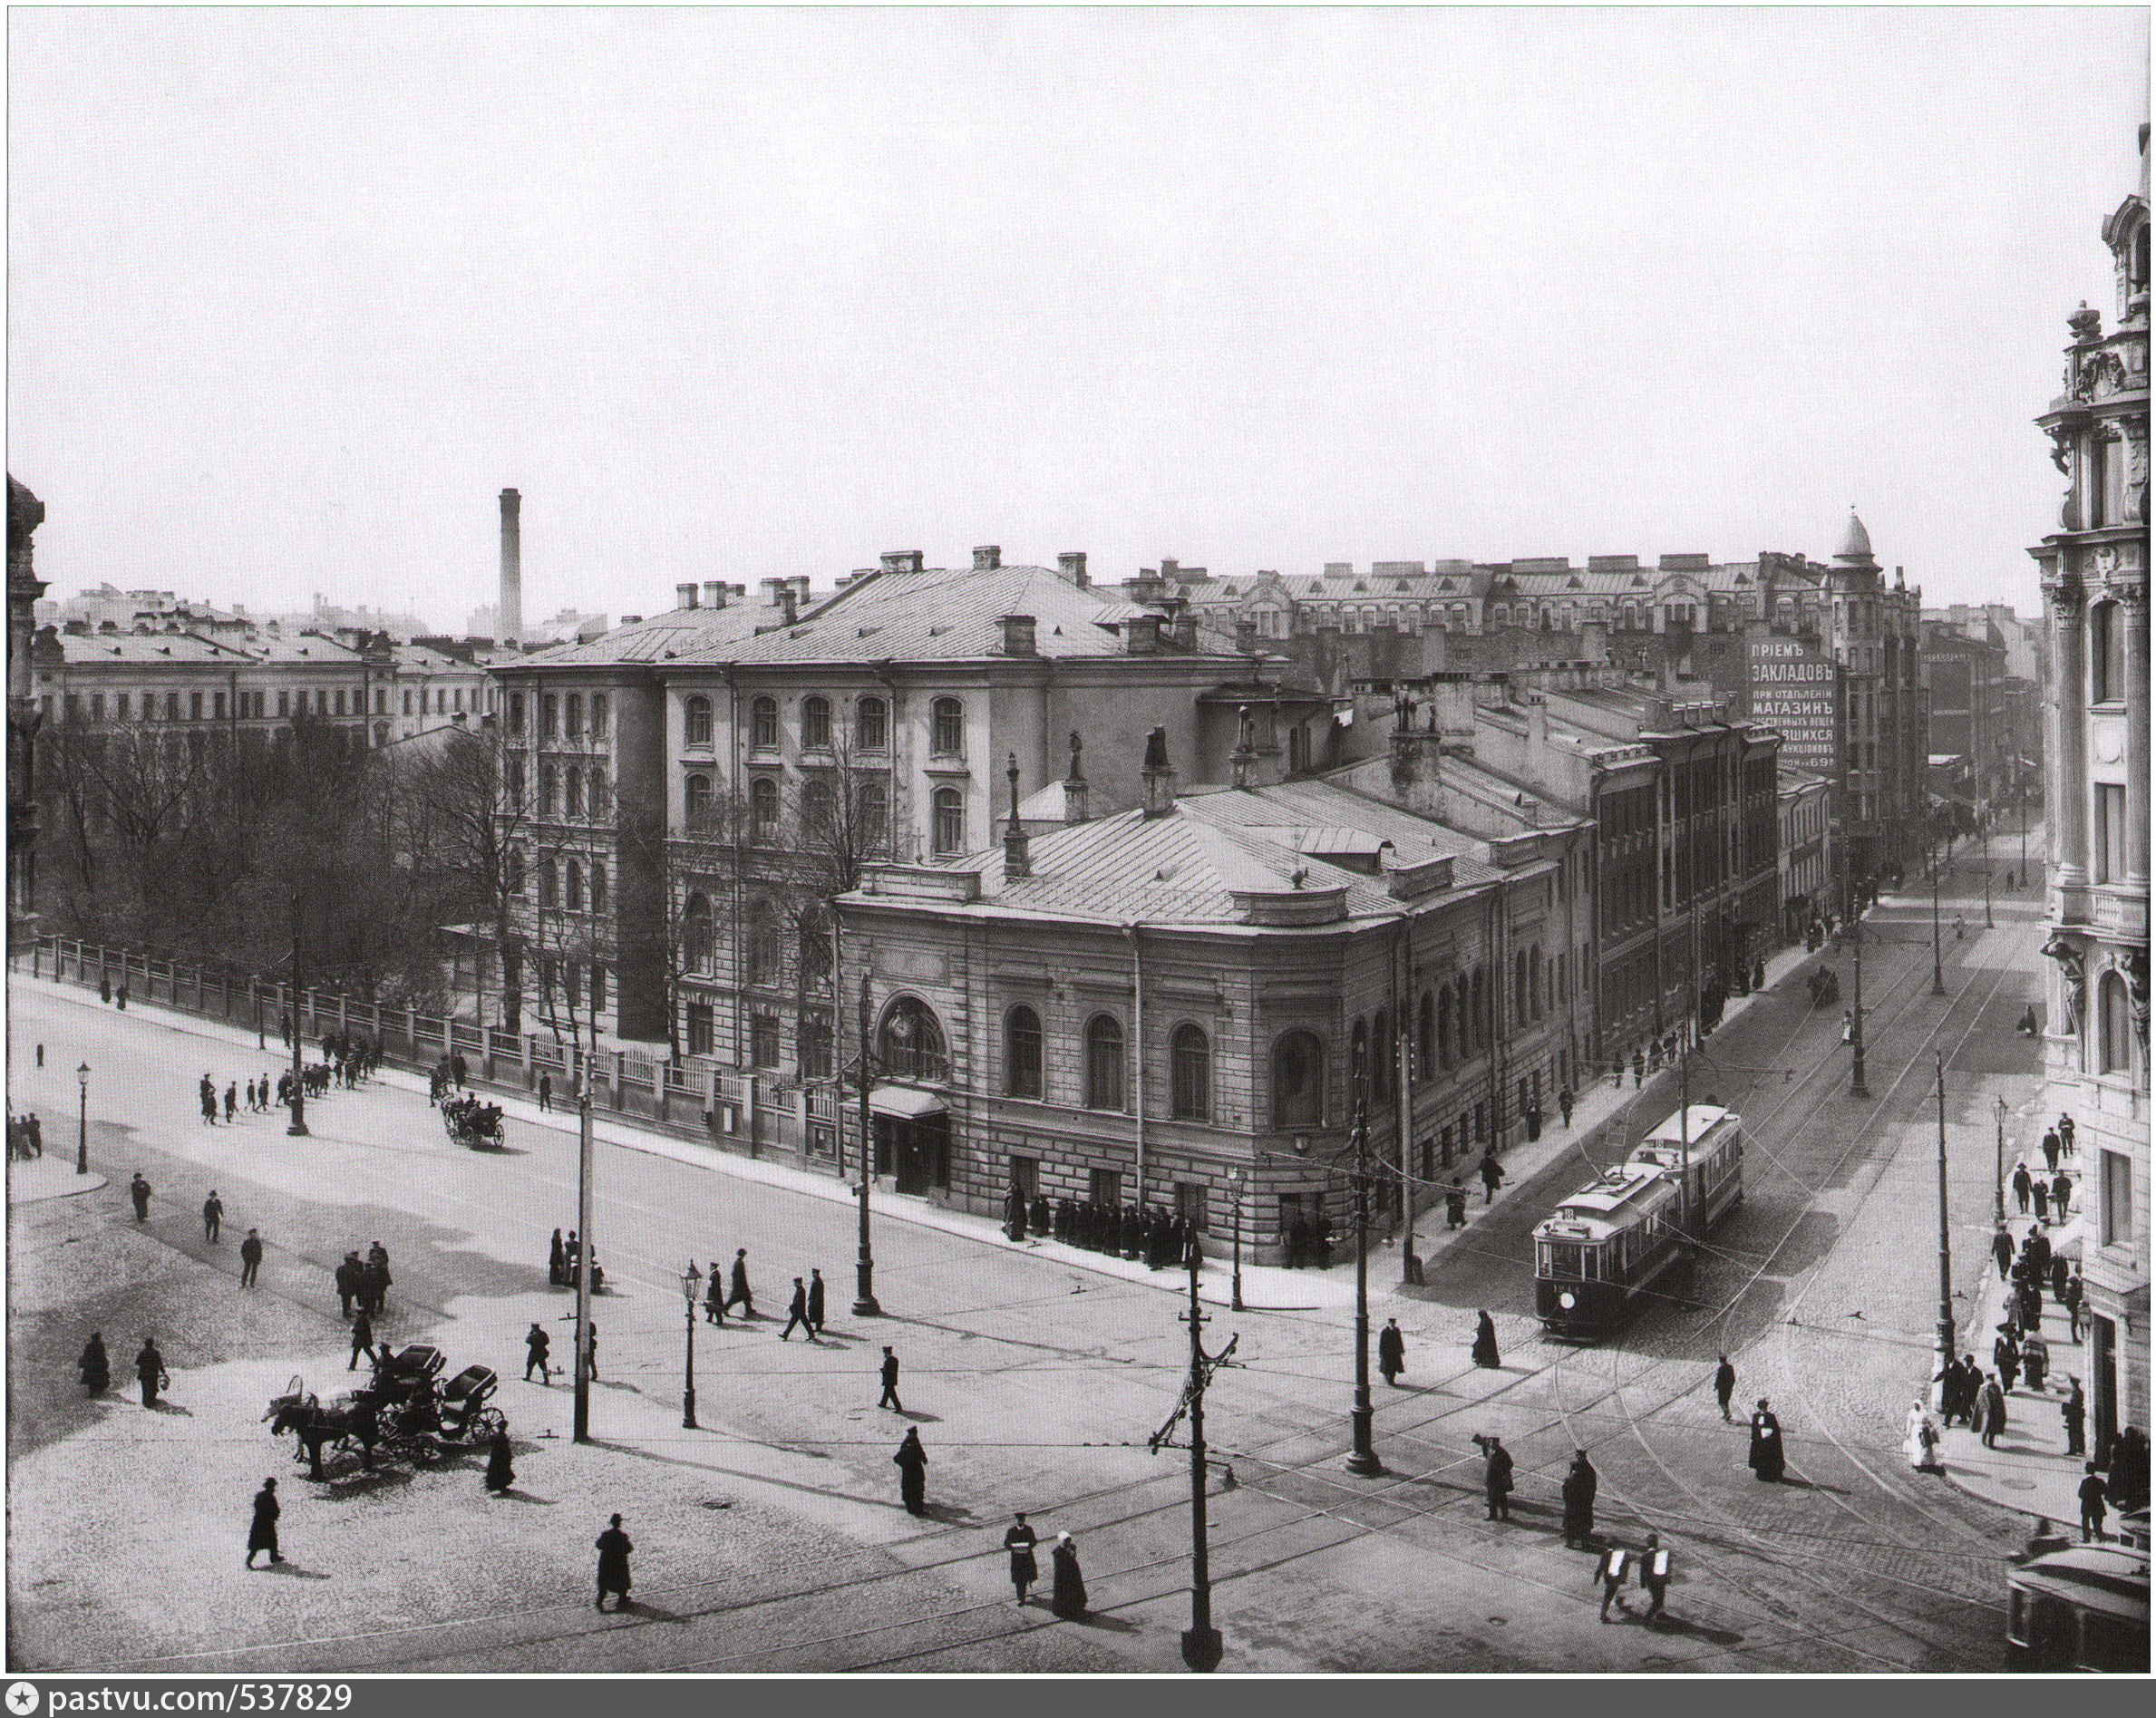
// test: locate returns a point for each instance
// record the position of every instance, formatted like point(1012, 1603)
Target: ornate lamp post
point(689, 1280)
point(1999, 1178)
point(82, 1137)
point(1938, 981)
point(1364, 1461)
point(864, 1269)
point(1235, 1293)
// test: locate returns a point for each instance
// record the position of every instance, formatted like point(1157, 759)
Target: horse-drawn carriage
point(405, 1409)
point(471, 1122)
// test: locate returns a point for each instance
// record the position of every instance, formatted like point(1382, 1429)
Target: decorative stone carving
point(2134, 964)
point(2086, 323)
point(2073, 974)
point(2100, 376)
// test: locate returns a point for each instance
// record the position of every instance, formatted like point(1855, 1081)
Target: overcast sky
point(294, 294)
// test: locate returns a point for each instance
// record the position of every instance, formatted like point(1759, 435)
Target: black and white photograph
point(1354, 801)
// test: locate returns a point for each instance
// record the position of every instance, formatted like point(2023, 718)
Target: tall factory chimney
point(508, 619)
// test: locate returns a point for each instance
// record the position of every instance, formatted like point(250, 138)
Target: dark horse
point(347, 1420)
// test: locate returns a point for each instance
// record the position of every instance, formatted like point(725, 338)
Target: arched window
point(816, 722)
point(947, 737)
point(765, 959)
point(698, 805)
point(1298, 1080)
point(599, 889)
point(1426, 1038)
point(550, 715)
point(1191, 1071)
point(572, 878)
point(572, 716)
point(819, 809)
point(1022, 1054)
point(696, 944)
point(764, 723)
point(873, 804)
point(1358, 1057)
point(513, 870)
point(595, 792)
point(872, 728)
point(950, 821)
point(2107, 655)
point(697, 721)
point(549, 785)
point(1446, 1010)
point(1477, 1033)
point(516, 784)
point(1103, 1063)
point(763, 807)
point(911, 1045)
point(516, 712)
point(572, 792)
point(2114, 1015)
point(550, 891)
point(598, 715)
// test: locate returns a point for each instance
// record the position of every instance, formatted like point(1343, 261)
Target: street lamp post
point(864, 1269)
point(1364, 1461)
point(2023, 880)
point(1235, 1291)
point(689, 1278)
point(1938, 980)
point(1944, 1341)
point(1999, 1178)
point(83, 1135)
point(1857, 1088)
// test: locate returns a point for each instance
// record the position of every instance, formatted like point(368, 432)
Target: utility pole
point(864, 1267)
point(1201, 1640)
point(581, 1430)
point(1998, 1180)
point(1857, 1088)
point(299, 1129)
point(1939, 979)
point(1363, 1460)
point(1944, 1341)
point(1411, 1268)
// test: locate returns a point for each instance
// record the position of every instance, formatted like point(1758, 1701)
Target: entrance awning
point(904, 1102)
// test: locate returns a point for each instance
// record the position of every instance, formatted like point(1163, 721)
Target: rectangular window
point(2117, 1218)
point(194, 706)
point(97, 707)
point(1106, 1187)
point(599, 988)
point(763, 1042)
point(120, 706)
point(172, 707)
point(516, 712)
point(816, 1048)
point(700, 1029)
point(218, 711)
point(1190, 1204)
point(283, 702)
point(550, 715)
point(598, 713)
point(2109, 848)
point(407, 700)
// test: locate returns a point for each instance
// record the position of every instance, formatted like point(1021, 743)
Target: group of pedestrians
point(95, 1366)
point(1162, 1238)
point(364, 1282)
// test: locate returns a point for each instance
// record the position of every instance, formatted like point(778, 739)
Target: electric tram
point(1607, 1245)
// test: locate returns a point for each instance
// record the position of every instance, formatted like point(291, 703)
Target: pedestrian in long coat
point(2040, 1190)
point(1391, 1350)
point(149, 1370)
point(714, 1295)
point(231, 1100)
point(2029, 1302)
point(2021, 1184)
point(614, 1549)
point(1493, 1174)
point(1067, 1599)
point(250, 1259)
point(815, 1303)
point(2061, 1194)
point(537, 1344)
point(363, 1341)
point(2050, 1147)
point(2035, 1360)
point(1014, 1215)
point(1019, 1540)
point(213, 1217)
point(1042, 1217)
point(1485, 1346)
point(2092, 1504)
point(500, 1474)
point(912, 1462)
point(737, 1290)
point(1995, 1413)
point(2039, 1250)
point(138, 1191)
point(557, 1265)
point(2005, 1356)
point(96, 1365)
point(1725, 1383)
point(2002, 1251)
point(1456, 1204)
point(1581, 1483)
point(262, 1533)
point(797, 1311)
point(1497, 1478)
point(1766, 1458)
point(347, 1276)
point(889, 1398)
point(2066, 1135)
point(2058, 1279)
point(2074, 1411)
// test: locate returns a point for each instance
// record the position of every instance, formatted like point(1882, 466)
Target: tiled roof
point(143, 648)
point(678, 634)
point(1314, 807)
point(304, 647)
point(944, 614)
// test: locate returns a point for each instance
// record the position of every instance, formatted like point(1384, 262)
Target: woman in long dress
point(96, 1365)
point(1485, 1348)
point(1068, 1598)
point(1919, 1438)
point(1766, 1458)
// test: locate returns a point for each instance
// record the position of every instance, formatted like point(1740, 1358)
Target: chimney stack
point(987, 558)
point(1158, 778)
point(685, 595)
point(1071, 563)
point(715, 593)
point(1017, 635)
point(508, 621)
point(902, 560)
point(1074, 784)
point(1141, 636)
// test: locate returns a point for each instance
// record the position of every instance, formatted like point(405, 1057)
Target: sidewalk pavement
point(1265, 1287)
point(2030, 1470)
point(50, 1177)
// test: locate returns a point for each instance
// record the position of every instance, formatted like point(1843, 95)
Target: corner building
point(2096, 572)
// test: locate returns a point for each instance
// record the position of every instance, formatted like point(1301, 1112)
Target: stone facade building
point(25, 513)
point(2096, 572)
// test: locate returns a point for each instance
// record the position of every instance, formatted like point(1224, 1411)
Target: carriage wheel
point(486, 1423)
